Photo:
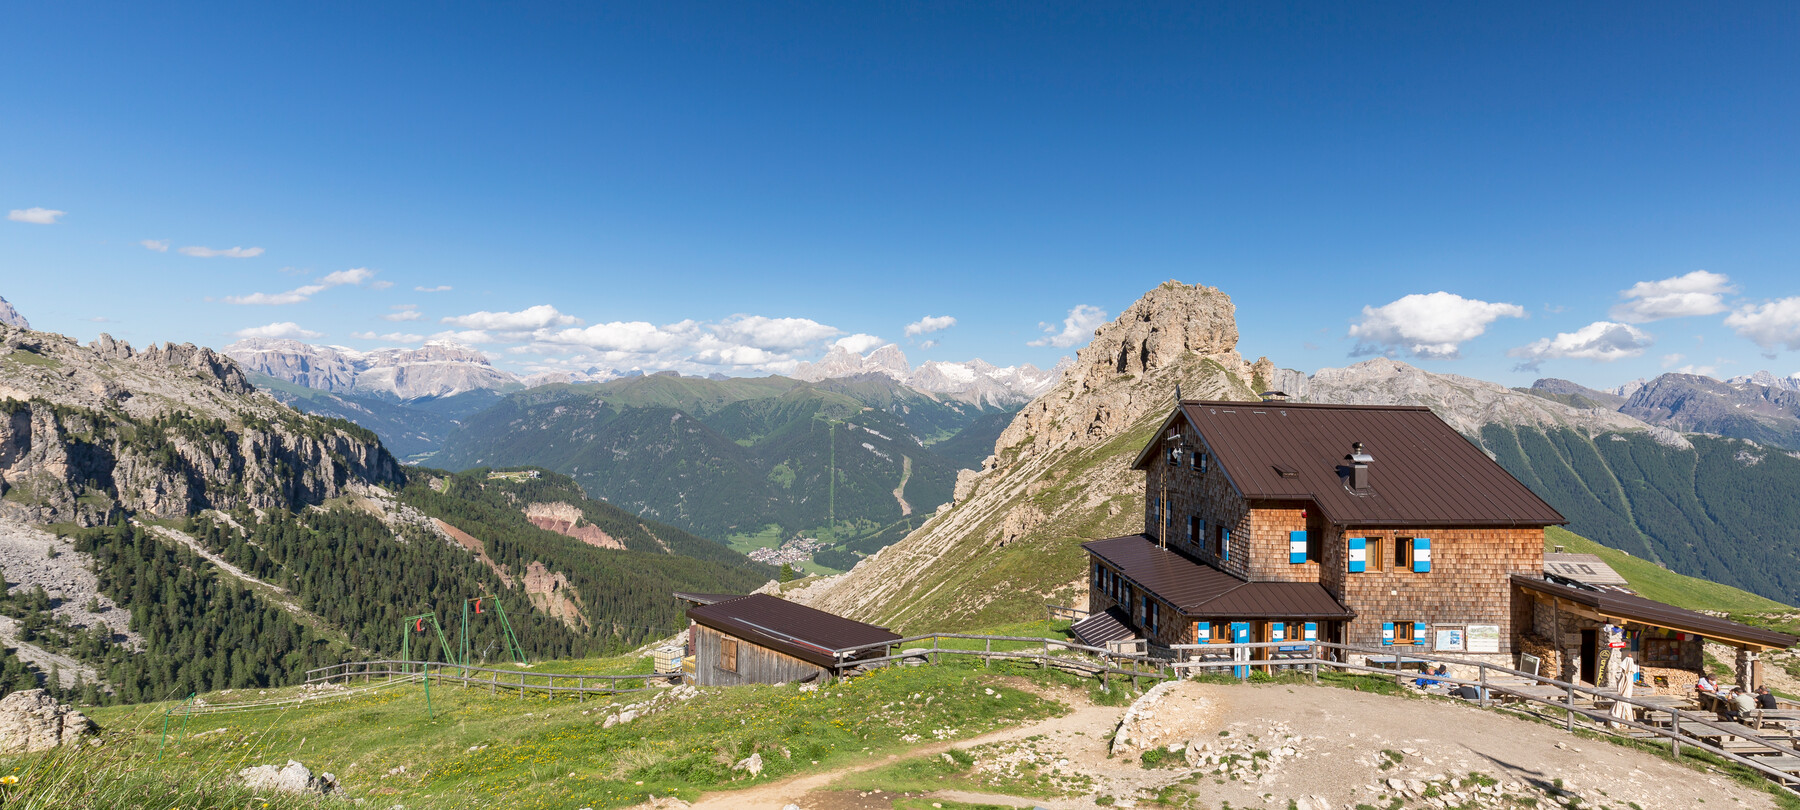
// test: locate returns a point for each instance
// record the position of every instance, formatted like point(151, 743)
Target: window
point(1196, 528)
point(728, 654)
point(1221, 537)
point(1374, 554)
point(1098, 576)
point(1150, 614)
point(1403, 632)
point(1200, 459)
point(1403, 553)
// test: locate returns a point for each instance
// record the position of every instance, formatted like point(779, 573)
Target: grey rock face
point(1696, 404)
point(31, 720)
point(437, 369)
point(976, 381)
point(291, 778)
point(11, 317)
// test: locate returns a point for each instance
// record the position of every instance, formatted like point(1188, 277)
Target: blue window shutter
point(1312, 631)
point(1225, 542)
point(1278, 631)
point(1359, 554)
point(1387, 634)
point(1419, 634)
point(1296, 547)
point(1421, 554)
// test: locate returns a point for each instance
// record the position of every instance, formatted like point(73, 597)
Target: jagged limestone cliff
point(1059, 476)
point(87, 432)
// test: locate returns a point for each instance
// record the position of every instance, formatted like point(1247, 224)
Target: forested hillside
point(1723, 510)
point(857, 462)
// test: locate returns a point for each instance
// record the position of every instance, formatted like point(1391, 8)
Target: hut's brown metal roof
point(1424, 473)
point(792, 628)
point(1631, 607)
point(1110, 624)
point(1200, 590)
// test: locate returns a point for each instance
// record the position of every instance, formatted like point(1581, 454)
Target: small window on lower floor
point(1403, 632)
point(728, 654)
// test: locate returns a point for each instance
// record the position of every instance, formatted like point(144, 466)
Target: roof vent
point(1274, 396)
point(1285, 471)
point(1359, 466)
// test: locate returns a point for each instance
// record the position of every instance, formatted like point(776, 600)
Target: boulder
point(33, 721)
point(291, 778)
point(752, 763)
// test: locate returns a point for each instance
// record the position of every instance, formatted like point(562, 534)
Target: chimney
point(1359, 466)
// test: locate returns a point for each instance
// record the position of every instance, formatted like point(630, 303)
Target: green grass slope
point(1656, 582)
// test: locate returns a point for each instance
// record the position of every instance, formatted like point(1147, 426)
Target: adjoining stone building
point(1374, 526)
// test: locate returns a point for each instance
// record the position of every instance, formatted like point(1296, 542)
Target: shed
point(765, 639)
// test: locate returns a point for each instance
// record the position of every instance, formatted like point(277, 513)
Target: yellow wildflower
point(9, 779)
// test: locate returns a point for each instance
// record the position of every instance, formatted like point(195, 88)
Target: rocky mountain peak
point(11, 317)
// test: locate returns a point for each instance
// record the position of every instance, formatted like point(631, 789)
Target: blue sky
point(732, 188)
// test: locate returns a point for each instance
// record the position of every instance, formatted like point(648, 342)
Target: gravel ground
point(26, 562)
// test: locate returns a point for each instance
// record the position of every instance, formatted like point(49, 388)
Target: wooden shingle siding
point(753, 664)
point(1470, 581)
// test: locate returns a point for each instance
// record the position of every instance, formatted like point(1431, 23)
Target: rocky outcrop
point(11, 317)
point(1691, 403)
point(566, 519)
point(31, 721)
point(1060, 475)
point(551, 593)
point(88, 432)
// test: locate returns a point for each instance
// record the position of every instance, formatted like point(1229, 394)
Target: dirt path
point(900, 491)
point(270, 591)
point(1095, 722)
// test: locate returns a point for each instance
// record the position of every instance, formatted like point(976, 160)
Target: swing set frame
point(508, 638)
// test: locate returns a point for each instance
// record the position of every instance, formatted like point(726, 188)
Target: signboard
point(1484, 638)
point(1449, 638)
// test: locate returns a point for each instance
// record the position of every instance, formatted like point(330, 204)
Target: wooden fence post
point(1046, 654)
point(1571, 708)
point(1315, 664)
point(987, 661)
point(1484, 692)
point(936, 657)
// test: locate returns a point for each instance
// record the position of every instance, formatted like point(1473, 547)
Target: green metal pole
point(165, 734)
point(518, 651)
point(426, 674)
point(464, 638)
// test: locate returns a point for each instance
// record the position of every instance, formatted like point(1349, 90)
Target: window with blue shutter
point(1359, 554)
point(1419, 638)
point(1387, 634)
point(1296, 547)
point(1421, 554)
point(1225, 543)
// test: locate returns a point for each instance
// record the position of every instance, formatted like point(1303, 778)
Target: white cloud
point(1432, 325)
point(468, 337)
point(858, 343)
point(403, 315)
point(380, 285)
point(341, 278)
point(1603, 341)
point(774, 333)
point(1703, 371)
point(525, 320)
point(284, 329)
point(35, 216)
point(230, 252)
point(1776, 323)
point(438, 288)
point(929, 324)
point(929, 344)
point(1669, 360)
point(636, 337)
point(1076, 328)
point(158, 245)
point(1697, 293)
point(391, 337)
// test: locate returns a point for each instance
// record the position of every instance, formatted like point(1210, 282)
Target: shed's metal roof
point(1588, 568)
point(706, 598)
point(1110, 624)
point(803, 632)
point(1424, 472)
point(1631, 607)
point(1202, 591)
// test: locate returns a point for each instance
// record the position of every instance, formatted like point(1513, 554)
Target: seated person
point(1765, 699)
point(1442, 670)
point(1466, 692)
point(1739, 708)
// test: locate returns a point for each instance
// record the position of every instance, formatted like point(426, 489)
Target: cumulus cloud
point(391, 337)
point(525, 320)
point(1604, 341)
point(1697, 293)
point(341, 278)
point(929, 344)
point(1078, 327)
point(35, 216)
point(1432, 325)
point(858, 343)
point(284, 329)
point(158, 245)
point(438, 288)
point(380, 285)
point(230, 252)
point(1769, 325)
point(929, 324)
point(774, 333)
point(403, 312)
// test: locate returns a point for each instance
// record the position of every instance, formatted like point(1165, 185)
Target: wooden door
point(1590, 654)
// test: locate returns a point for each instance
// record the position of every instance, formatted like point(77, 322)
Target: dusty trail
point(1095, 722)
point(900, 490)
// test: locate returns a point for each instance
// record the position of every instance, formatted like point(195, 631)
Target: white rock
point(752, 763)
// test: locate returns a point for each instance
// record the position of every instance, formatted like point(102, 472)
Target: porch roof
point(1201, 591)
point(1631, 607)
